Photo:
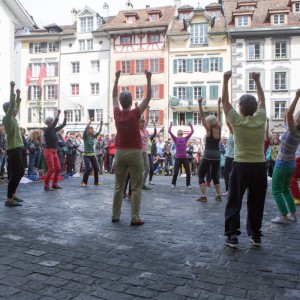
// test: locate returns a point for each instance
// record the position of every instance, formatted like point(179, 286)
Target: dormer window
point(279, 19)
point(154, 15)
point(131, 17)
point(297, 7)
point(242, 21)
point(278, 15)
point(86, 24)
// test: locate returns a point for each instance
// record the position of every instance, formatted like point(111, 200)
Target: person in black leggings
point(211, 158)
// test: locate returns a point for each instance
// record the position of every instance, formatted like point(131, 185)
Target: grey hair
point(248, 105)
point(6, 106)
point(125, 99)
point(48, 120)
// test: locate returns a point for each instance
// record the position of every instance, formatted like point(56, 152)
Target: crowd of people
point(246, 159)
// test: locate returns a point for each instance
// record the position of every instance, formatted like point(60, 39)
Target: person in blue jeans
point(35, 150)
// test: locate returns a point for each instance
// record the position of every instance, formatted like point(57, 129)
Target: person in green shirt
point(89, 156)
point(14, 146)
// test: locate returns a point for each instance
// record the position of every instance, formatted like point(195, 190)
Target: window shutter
point(43, 47)
point(161, 65)
point(160, 117)
point(189, 117)
point(220, 64)
point(175, 118)
point(213, 92)
point(175, 91)
point(29, 93)
point(189, 93)
point(30, 47)
point(56, 46)
point(132, 67)
point(189, 68)
point(131, 90)
point(175, 66)
point(205, 63)
point(203, 92)
point(29, 114)
point(56, 69)
point(56, 91)
point(118, 65)
point(161, 91)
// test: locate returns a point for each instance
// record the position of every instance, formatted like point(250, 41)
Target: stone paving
point(62, 245)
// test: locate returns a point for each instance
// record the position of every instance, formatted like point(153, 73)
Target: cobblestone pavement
point(62, 245)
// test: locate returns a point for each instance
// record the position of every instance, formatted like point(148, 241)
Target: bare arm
point(115, 91)
point(18, 101)
point(260, 92)
point(219, 109)
point(145, 103)
point(291, 110)
point(225, 94)
point(205, 124)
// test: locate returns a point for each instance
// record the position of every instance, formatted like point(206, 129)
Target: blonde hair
point(35, 135)
point(179, 132)
point(212, 121)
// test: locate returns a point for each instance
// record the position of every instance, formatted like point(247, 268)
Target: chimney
point(105, 10)
point(147, 6)
point(74, 13)
point(129, 5)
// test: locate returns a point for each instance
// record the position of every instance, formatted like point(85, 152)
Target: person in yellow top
point(14, 147)
point(249, 167)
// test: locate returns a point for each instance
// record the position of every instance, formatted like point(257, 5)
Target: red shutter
point(131, 90)
point(132, 67)
point(118, 65)
point(146, 64)
point(161, 91)
point(161, 65)
point(161, 117)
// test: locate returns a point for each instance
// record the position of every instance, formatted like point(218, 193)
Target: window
point(51, 47)
point(197, 92)
point(89, 44)
point(251, 83)
point(76, 67)
point(85, 45)
point(99, 115)
point(154, 91)
point(181, 93)
point(36, 95)
point(153, 116)
point(95, 88)
point(199, 34)
point(198, 65)
point(81, 45)
point(154, 65)
point(69, 116)
point(254, 51)
point(130, 19)
point(51, 70)
point(181, 65)
point(242, 21)
point(214, 65)
point(33, 115)
point(124, 88)
point(139, 66)
point(279, 109)
point(279, 19)
point(126, 67)
point(139, 92)
point(37, 48)
point(36, 70)
point(280, 50)
point(77, 114)
point(75, 89)
point(125, 40)
point(280, 81)
point(95, 66)
point(154, 38)
point(297, 7)
point(86, 24)
point(50, 92)
point(197, 118)
point(153, 17)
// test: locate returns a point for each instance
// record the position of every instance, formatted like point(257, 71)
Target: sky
point(59, 11)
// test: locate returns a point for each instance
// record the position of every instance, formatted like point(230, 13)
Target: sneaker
point(172, 186)
point(189, 186)
point(145, 188)
point(225, 194)
point(56, 187)
point(279, 220)
point(207, 184)
point(76, 175)
point(18, 199)
point(292, 218)
point(97, 183)
point(232, 241)
point(48, 189)
point(296, 201)
point(83, 184)
point(202, 199)
point(13, 203)
point(151, 183)
point(137, 223)
point(182, 175)
point(218, 198)
point(256, 241)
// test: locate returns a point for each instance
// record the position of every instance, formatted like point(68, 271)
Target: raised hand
point(58, 112)
point(255, 76)
point(18, 92)
point(171, 123)
point(118, 74)
point(227, 75)
point(148, 74)
point(219, 100)
point(298, 93)
point(136, 104)
point(200, 100)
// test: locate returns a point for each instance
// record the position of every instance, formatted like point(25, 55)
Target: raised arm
point(115, 90)
point(205, 124)
point(18, 101)
point(12, 102)
point(291, 110)
point(225, 94)
point(145, 103)
point(260, 92)
point(60, 127)
point(170, 131)
point(219, 110)
point(154, 133)
point(191, 132)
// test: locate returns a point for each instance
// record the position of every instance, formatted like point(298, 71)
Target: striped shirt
point(289, 144)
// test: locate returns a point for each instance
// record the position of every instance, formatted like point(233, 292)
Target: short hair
point(179, 132)
point(48, 120)
point(125, 99)
point(248, 105)
point(5, 106)
point(212, 121)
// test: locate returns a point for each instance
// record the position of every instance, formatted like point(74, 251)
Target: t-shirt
point(144, 137)
point(128, 128)
point(50, 134)
point(89, 143)
point(289, 144)
point(248, 134)
point(230, 147)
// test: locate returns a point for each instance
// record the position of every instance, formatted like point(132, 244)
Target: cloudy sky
point(59, 11)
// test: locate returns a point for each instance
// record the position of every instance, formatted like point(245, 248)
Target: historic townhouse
point(199, 52)
point(138, 43)
point(265, 38)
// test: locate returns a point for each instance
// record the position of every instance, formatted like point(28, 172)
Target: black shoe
point(13, 203)
point(57, 187)
point(256, 241)
point(48, 189)
point(18, 199)
point(145, 188)
point(115, 220)
point(232, 241)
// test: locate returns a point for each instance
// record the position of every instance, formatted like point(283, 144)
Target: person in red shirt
point(128, 153)
point(111, 152)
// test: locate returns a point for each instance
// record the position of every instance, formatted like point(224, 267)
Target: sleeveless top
point(212, 150)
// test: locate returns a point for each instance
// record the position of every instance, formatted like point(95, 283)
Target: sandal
point(218, 197)
point(202, 199)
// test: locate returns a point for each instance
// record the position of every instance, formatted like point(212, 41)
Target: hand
point(219, 100)
point(200, 100)
point(148, 107)
point(227, 75)
point(298, 93)
point(18, 92)
point(118, 74)
point(189, 123)
point(58, 112)
point(148, 74)
point(171, 123)
point(255, 76)
point(136, 104)
point(91, 120)
point(101, 123)
point(12, 84)
point(65, 113)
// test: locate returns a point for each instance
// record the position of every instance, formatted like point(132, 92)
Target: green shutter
point(189, 93)
point(189, 68)
point(175, 91)
point(175, 118)
point(189, 117)
point(205, 65)
point(203, 92)
point(213, 92)
point(175, 66)
point(220, 64)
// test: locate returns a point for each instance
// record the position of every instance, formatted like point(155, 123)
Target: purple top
point(180, 142)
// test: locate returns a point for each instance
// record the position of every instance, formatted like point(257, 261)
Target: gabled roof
point(86, 11)
point(185, 7)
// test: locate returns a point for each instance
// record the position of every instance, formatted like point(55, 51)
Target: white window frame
point(279, 19)
point(125, 66)
point(86, 24)
point(214, 64)
point(181, 92)
point(95, 88)
point(199, 34)
point(279, 110)
point(51, 47)
point(297, 7)
point(36, 48)
point(89, 44)
point(36, 93)
point(50, 69)
point(196, 118)
point(153, 116)
point(75, 67)
point(81, 45)
point(254, 51)
point(198, 65)
point(69, 116)
point(77, 115)
point(139, 92)
point(95, 65)
point(182, 64)
point(279, 46)
point(99, 115)
point(50, 92)
point(154, 91)
point(154, 38)
point(36, 68)
point(125, 40)
point(74, 89)
point(197, 92)
point(154, 65)
point(139, 66)
point(280, 81)
point(242, 21)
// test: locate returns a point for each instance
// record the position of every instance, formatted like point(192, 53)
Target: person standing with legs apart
point(89, 156)
point(50, 151)
point(285, 165)
point(129, 154)
point(249, 166)
point(14, 148)
point(212, 156)
point(181, 156)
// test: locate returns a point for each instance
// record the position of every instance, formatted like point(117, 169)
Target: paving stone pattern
point(62, 245)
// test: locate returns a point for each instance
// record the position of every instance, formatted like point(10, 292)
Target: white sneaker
point(76, 175)
point(151, 183)
point(172, 186)
point(292, 218)
point(279, 220)
point(189, 186)
point(183, 175)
